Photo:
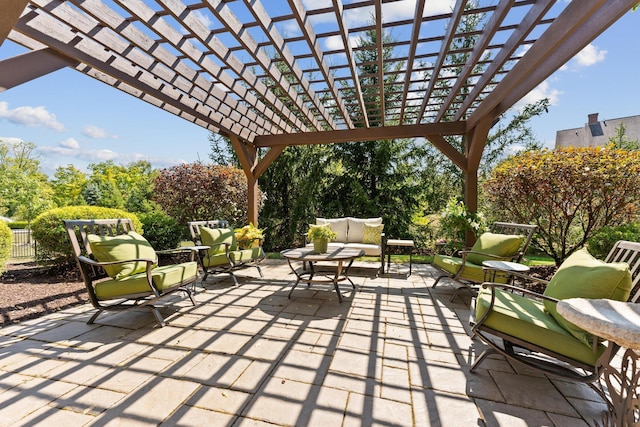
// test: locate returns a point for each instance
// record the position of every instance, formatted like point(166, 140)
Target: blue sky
point(74, 119)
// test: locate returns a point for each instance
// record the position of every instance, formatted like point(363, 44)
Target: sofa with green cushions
point(504, 242)
point(358, 233)
point(222, 253)
point(110, 249)
point(524, 326)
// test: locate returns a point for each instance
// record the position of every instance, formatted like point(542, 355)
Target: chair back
point(78, 230)
point(526, 230)
point(629, 252)
point(194, 228)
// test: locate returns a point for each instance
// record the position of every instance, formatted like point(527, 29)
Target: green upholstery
point(502, 245)
point(214, 237)
point(472, 272)
point(121, 248)
point(372, 234)
point(245, 255)
point(583, 276)
point(164, 278)
point(526, 319)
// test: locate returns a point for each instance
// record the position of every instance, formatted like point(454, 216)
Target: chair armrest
point(494, 285)
point(493, 257)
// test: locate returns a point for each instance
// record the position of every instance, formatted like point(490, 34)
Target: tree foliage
point(197, 191)
point(24, 189)
point(68, 184)
point(569, 193)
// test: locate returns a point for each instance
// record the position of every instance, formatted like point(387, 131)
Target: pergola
point(286, 72)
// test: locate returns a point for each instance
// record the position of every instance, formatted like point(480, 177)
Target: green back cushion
point(503, 245)
point(121, 248)
point(215, 236)
point(583, 276)
point(372, 234)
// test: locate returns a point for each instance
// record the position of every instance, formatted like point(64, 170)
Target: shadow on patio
point(396, 352)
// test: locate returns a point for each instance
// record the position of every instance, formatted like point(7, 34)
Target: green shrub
point(18, 225)
point(603, 240)
point(5, 244)
point(161, 230)
point(53, 243)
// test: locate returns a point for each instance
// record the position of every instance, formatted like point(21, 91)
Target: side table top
point(616, 321)
point(399, 242)
point(505, 266)
point(333, 254)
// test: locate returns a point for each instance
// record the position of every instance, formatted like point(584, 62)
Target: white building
point(598, 132)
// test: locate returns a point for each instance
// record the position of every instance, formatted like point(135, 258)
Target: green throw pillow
point(372, 234)
point(503, 245)
point(583, 276)
point(215, 236)
point(121, 248)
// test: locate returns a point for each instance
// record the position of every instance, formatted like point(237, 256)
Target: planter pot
point(320, 245)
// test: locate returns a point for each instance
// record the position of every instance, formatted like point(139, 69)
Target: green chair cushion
point(214, 237)
point(245, 255)
point(164, 278)
point(215, 260)
point(503, 245)
point(121, 248)
point(471, 273)
point(526, 319)
point(583, 276)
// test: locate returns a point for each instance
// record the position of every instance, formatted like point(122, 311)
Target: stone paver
point(395, 352)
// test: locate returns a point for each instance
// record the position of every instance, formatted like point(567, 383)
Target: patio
point(396, 352)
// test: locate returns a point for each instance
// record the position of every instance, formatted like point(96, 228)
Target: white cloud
point(543, 90)
point(70, 143)
point(590, 55)
point(335, 42)
point(97, 133)
point(30, 117)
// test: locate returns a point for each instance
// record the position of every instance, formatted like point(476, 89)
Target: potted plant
point(320, 236)
point(248, 236)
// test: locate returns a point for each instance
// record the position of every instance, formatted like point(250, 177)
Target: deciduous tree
point(569, 193)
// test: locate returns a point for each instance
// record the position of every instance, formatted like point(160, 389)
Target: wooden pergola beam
point(363, 134)
point(31, 65)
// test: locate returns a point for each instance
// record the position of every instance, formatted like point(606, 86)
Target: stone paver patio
point(393, 353)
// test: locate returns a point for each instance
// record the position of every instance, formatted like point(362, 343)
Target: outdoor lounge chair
point(504, 242)
point(223, 254)
point(524, 326)
point(111, 249)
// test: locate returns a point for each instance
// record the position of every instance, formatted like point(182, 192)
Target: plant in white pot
point(320, 236)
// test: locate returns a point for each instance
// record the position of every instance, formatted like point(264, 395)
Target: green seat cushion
point(502, 245)
point(583, 276)
point(122, 248)
point(215, 237)
point(164, 278)
point(245, 255)
point(471, 273)
point(526, 319)
point(215, 260)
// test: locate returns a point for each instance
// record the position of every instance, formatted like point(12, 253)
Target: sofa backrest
point(348, 229)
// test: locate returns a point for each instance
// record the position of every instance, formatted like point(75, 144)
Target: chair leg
point(259, 271)
point(233, 276)
point(157, 314)
point(94, 317)
point(481, 357)
point(437, 280)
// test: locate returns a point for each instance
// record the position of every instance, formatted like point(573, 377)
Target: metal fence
point(23, 244)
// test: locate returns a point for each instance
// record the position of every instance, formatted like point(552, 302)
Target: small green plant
point(5, 244)
point(456, 220)
point(320, 232)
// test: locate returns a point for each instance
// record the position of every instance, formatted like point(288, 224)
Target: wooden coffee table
point(341, 256)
